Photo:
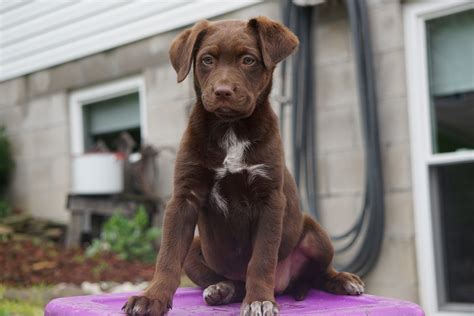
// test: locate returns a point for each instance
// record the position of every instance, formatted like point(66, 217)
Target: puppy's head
point(233, 62)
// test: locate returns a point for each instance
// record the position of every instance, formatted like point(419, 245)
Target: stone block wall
point(340, 144)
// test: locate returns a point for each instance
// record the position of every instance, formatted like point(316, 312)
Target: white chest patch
point(234, 163)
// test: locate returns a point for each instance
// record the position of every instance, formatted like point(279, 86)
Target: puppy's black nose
point(223, 91)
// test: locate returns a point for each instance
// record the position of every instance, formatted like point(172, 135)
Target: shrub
point(129, 238)
point(5, 209)
point(6, 162)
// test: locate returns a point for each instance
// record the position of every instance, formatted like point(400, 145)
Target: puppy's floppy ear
point(276, 40)
point(183, 48)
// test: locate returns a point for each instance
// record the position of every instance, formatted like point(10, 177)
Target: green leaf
point(130, 239)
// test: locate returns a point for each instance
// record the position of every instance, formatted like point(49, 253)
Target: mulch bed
point(30, 262)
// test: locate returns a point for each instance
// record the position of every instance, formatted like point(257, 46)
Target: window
point(453, 204)
point(105, 120)
point(450, 45)
point(440, 80)
point(103, 112)
point(450, 49)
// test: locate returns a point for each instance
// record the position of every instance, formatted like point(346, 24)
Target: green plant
point(31, 305)
point(98, 269)
point(5, 209)
point(129, 238)
point(6, 161)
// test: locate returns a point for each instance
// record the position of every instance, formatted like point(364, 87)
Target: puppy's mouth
point(228, 114)
point(228, 110)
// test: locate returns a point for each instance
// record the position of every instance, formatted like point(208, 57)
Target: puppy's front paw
point(258, 308)
point(219, 293)
point(142, 305)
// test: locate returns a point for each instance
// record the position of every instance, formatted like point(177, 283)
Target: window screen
point(105, 120)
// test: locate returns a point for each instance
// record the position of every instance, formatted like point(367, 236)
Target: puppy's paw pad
point(353, 288)
point(257, 308)
point(219, 293)
point(345, 283)
point(142, 305)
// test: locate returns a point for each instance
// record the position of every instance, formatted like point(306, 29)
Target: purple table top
point(188, 301)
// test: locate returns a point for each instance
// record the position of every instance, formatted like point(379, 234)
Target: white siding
point(39, 34)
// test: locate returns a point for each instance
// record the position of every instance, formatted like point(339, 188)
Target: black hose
point(366, 233)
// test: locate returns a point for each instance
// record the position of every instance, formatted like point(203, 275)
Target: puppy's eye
point(248, 60)
point(207, 60)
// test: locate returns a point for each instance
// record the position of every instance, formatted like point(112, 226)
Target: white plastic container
point(97, 173)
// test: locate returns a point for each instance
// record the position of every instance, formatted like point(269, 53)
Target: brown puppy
point(231, 181)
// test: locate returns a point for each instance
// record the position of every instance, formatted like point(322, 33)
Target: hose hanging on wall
point(366, 235)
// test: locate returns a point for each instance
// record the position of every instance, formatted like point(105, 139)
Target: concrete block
point(67, 76)
point(399, 221)
point(287, 139)
point(335, 129)
point(336, 85)
point(12, 92)
point(39, 173)
point(396, 167)
point(346, 172)
point(62, 77)
point(34, 117)
point(38, 82)
point(393, 121)
point(49, 203)
point(270, 9)
point(159, 45)
point(134, 57)
point(322, 175)
point(15, 143)
point(20, 185)
point(163, 88)
point(11, 118)
point(390, 75)
point(358, 132)
point(166, 123)
point(332, 42)
point(386, 26)
point(396, 267)
point(375, 3)
point(58, 108)
point(338, 213)
point(18, 201)
point(52, 141)
point(403, 291)
point(331, 11)
point(46, 111)
point(99, 67)
point(60, 172)
point(23, 145)
point(165, 163)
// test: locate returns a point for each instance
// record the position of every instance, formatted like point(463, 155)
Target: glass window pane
point(451, 75)
point(454, 201)
point(113, 114)
point(105, 120)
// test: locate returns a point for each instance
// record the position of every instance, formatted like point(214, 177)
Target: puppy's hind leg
point(317, 245)
point(217, 289)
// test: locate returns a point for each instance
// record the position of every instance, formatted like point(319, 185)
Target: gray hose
point(366, 234)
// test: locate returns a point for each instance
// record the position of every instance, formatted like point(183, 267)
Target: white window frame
point(102, 92)
point(416, 13)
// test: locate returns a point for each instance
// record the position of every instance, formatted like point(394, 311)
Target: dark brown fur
point(263, 244)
